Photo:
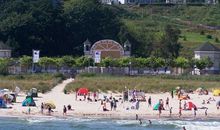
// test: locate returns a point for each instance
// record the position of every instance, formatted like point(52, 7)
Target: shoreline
point(114, 116)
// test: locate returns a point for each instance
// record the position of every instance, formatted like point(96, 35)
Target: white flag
point(97, 56)
point(36, 56)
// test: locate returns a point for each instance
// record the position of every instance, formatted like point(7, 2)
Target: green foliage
point(25, 61)
point(155, 63)
point(84, 61)
point(209, 36)
point(4, 66)
point(203, 63)
point(181, 62)
point(162, 83)
point(68, 61)
point(170, 45)
point(108, 62)
point(45, 62)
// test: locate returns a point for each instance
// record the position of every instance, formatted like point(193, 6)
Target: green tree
point(170, 47)
point(203, 63)
point(182, 63)
point(68, 61)
point(108, 62)
point(123, 62)
point(4, 63)
point(156, 63)
point(84, 61)
point(46, 62)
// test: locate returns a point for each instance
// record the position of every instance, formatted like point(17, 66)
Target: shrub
point(209, 36)
point(87, 75)
point(202, 33)
point(216, 40)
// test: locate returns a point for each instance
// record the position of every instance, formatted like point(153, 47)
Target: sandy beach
point(94, 109)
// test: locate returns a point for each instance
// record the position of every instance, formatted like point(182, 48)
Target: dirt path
point(57, 95)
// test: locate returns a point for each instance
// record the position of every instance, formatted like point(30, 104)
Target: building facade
point(211, 51)
point(107, 48)
point(5, 51)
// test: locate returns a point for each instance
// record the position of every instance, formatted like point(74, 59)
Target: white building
point(5, 51)
point(211, 51)
point(113, 2)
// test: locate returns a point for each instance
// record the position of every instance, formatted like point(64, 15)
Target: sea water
point(103, 124)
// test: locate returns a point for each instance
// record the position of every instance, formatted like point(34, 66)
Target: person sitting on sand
point(203, 102)
point(69, 107)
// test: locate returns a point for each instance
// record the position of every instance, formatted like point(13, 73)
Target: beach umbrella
point(216, 92)
point(49, 104)
point(83, 91)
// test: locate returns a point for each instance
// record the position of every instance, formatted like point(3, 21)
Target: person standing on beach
point(29, 110)
point(206, 114)
point(64, 110)
point(42, 108)
point(111, 104)
point(114, 104)
point(49, 110)
point(167, 103)
point(180, 112)
point(194, 112)
point(136, 116)
point(180, 108)
point(149, 101)
point(160, 109)
point(171, 111)
point(172, 94)
point(84, 97)
point(94, 96)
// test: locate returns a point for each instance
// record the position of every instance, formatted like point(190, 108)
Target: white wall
point(5, 53)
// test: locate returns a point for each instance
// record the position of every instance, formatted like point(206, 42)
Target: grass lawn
point(147, 83)
point(43, 82)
